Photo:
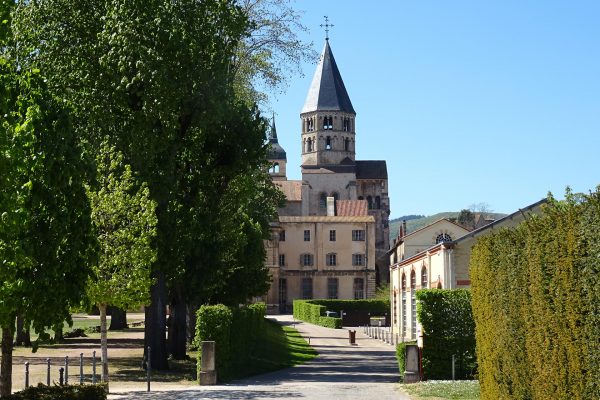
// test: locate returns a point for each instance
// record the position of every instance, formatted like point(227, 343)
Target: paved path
point(367, 370)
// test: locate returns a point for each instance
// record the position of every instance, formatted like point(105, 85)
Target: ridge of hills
point(414, 222)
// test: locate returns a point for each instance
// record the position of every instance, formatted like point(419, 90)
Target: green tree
point(125, 223)
point(45, 234)
point(466, 218)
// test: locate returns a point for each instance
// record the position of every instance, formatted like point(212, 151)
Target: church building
point(332, 236)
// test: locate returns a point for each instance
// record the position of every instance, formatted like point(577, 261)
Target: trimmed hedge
point(448, 329)
point(235, 332)
point(308, 311)
point(374, 306)
point(536, 303)
point(66, 392)
point(401, 354)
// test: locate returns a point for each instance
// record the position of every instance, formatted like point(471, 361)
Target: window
point(377, 202)
point(309, 146)
point(424, 283)
point(358, 235)
point(443, 237)
point(395, 306)
point(347, 144)
point(358, 259)
point(307, 288)
point(282, 294)
point(359, 288)
point(332, 288)
point(404, 310)
point(413, 304)
point(323, 201)
point(306, 260)
point(307, 235)
point(331, 259)
point(370, 202)
point(328, 143)
point(282, 260)
point(332, 235)
point(282, 236)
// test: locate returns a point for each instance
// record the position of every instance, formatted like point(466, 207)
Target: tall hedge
point(235, 332)
point(308, 311)
point(536, 304)
point(374, 306)
point(448, 329)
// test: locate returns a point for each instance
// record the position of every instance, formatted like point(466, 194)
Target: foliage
point(125, 224)
point(330, 322)
point(466, 218)
point(235, 332)
point(537, 321)
point(374, 306)
point(309, 311)
point(448, 329)
point(442, 390)
point(67, 392)
point(401, 356)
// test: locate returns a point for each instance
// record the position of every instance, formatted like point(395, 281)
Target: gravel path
point(367, 370)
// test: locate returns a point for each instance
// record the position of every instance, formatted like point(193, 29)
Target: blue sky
point(467, 101)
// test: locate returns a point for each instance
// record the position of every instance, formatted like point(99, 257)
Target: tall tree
point(125, 223)
point(45, 234)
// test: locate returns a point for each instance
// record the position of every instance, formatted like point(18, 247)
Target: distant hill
point(414, 222)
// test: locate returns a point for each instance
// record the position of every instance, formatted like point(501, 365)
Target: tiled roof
point(327, 91)
point(351, 208)
point(316, 218)
point(371, 169)
point(291, 189)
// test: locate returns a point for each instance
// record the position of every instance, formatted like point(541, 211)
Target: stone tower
point(277, 156)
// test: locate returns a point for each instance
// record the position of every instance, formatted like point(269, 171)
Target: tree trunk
point(23, 337)
point(58, 335)
point(118, 319)
point(191, 322)
point(6, 363)
point(103, 344)
point(155, 329)
point(177, 326)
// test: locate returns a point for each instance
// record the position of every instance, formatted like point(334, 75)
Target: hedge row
point(448, 330)
point(374, 306)
point(67, 392)
point(536, 303)
point(235, 332)
point(401, 356)
point(308, 311)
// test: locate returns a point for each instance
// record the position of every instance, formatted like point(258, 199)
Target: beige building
point(337, 193)
point(436, 256)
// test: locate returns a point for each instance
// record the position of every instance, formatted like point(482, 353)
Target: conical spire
point(276, 152)
point(327, 91)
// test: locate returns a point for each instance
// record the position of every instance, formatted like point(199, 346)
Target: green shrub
point(374, 306)
point(67, 392)
point(401, 354)
point(448, 329)
point(312, 311)
point(536, 303)
point(235, 332)
point(330, 322)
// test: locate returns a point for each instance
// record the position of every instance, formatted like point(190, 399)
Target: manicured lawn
point(454, 390)
point(281, 347)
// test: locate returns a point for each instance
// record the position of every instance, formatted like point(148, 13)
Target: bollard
point(61, 376)
point(66, 370)
point(81, 368)
point(94, 367)
point(148, 366)
point(26, 374)
point(48, 372)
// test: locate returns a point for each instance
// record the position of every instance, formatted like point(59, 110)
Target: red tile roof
point(351, 208)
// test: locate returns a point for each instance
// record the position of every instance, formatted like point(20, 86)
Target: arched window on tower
point(325, 123)
point(347, 144)
point(370, 202)
point(309, 145)
point(328, 143)
point(276, 168)
point(323, 201)
point(330, 124)
point(377, 202)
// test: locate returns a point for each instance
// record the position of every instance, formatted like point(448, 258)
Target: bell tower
point(328, 118)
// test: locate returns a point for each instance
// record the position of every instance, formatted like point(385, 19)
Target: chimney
point(403, 227)
point(330, 206)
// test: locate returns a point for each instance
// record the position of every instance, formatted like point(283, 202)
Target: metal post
point(66, 370)
point(452, 366)
point(26, 374)
point(81, 368)
point(61, 376)
point(48, 372)
point(94, 367)
point(149, 366)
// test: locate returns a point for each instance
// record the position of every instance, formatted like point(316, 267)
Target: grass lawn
point(281, 347)
point(455, 390)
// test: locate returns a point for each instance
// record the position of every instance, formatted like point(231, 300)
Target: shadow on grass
point(129, 369)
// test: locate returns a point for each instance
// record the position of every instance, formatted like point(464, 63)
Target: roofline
point(425, 227)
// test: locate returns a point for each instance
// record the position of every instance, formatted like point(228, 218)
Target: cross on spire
point(326, 25)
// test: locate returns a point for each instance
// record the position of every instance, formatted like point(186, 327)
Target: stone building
point(337, 195)
point(436, 256)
